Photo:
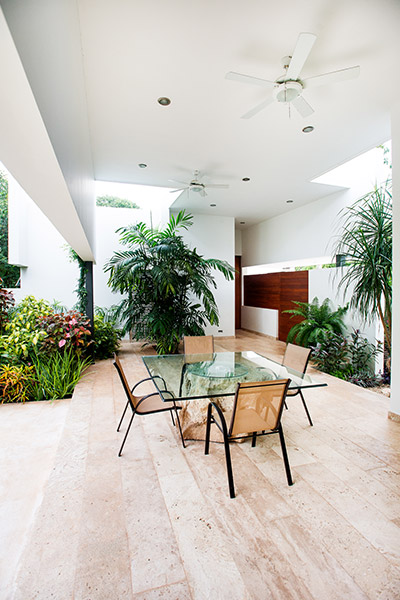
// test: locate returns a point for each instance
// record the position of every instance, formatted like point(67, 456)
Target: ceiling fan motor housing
point(287, 91)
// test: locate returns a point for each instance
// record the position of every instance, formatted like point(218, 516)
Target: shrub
point(106, 337)
point(64, 331)
point(352, 359)
point(15, 382)
point(56, 374)
point(317, 321)
point(22, 333)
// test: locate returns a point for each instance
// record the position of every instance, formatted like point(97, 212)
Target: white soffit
point(26, 150)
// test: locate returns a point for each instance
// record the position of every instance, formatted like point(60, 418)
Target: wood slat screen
point(277, 291)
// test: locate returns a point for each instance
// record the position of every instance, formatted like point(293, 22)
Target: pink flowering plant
point(65, 331)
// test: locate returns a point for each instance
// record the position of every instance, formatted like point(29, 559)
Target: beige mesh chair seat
point(297, 357)
point(257, 410)
point(144, 405)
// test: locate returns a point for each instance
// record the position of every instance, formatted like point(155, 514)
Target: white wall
point(262, 320)
point(214, 237)
point(48, 273)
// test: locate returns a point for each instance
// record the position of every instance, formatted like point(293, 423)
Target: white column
point(394, 410)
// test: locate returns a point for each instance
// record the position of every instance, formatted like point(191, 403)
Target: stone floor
point(77, 522)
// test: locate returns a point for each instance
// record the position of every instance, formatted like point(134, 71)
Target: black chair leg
point(285, 455)
point(123, 414)
point(208, 429)
point(254, 440)
point(305, 408)
point(179, 426)
point(172, 418)
point(126, 434)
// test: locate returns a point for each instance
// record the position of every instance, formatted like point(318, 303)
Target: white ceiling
point(135, 51)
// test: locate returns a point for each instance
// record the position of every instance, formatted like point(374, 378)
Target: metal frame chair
point(297, 357)
point(144, 405)
point(257, 408)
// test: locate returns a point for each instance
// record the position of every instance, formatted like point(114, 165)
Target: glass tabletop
point(212, 375)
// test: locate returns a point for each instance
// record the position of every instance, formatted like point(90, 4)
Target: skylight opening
point(371, 164)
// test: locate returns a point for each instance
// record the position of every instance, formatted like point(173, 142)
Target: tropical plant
point(167, 285)
point(317, 321)
point(21, 332)
point(15, 381)
point(366, 240)
point(352, 359)
point(64, 331)
point(56, 374)
point(106, 338)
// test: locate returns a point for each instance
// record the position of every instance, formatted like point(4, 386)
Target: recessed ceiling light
point(246, 179)
point(289, 201)
point(213, 205)
point(243, 222)
point(164, 101)
point(308, 129)
point(142, 165)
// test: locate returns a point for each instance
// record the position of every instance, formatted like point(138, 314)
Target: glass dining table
point(197, 376)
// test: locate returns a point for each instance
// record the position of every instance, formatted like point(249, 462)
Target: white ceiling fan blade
point(302, 106)
point(248, 79)
point(303, 47)
point(177, 181)
point(258, 108)
point(332, 77)
point(180, 190)
point(217, 185)
point(203, 192)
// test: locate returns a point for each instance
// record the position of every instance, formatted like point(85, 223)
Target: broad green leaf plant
point(317, 321)
point(167, 285)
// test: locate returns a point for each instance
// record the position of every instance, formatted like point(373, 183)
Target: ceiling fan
point(288, 87)
point(196, 185)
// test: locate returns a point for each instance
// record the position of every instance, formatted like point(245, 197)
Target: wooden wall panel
point(262, 291)
point(294, 286)
point(277, 291)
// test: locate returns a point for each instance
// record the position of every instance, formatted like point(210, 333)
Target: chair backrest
point(198, 344)
point(124, 381)
point(296, 357)
point(258, 406)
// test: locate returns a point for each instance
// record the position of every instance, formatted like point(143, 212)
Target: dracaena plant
point(167, 286)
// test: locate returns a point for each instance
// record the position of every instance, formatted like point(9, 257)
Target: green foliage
point(352, 359)
point(64, 331)
point(106, 337)
point(317, 321)
point(15, 381)
point(8, 273)
point(366, 240)
point(7, 301)
point(115, 202)
point(21, 332)
point(81, 290)
point(167, 285)
point(56, 374)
